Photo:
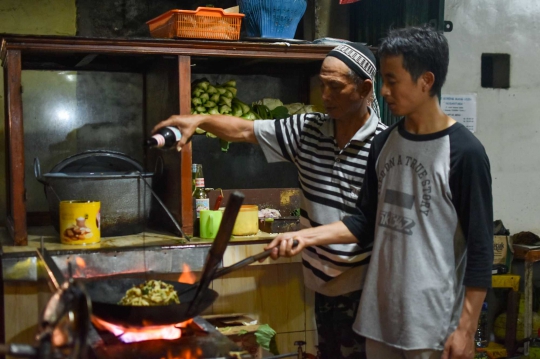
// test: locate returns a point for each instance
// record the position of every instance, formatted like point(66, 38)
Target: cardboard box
point(501, 251)
point(237, 328)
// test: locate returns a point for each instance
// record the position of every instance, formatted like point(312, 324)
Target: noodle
point(149, 293)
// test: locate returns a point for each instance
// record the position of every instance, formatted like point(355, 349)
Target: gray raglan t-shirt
point(426, 205)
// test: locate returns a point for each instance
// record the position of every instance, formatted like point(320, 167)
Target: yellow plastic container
point(80, 222)
point(247, 221)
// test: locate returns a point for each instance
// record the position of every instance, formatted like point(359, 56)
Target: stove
point(199, 340)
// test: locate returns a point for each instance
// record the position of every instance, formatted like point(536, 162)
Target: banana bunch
point(218, 100)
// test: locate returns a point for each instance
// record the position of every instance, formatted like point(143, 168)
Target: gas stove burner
point(199, 340)
point(145, 333)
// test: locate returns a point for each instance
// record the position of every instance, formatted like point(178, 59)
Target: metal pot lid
point(97, 175)
point(98, 161)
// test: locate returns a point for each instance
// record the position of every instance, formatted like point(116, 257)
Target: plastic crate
point(203, 23)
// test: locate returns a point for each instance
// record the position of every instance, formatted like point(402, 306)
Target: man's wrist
point(468, 328)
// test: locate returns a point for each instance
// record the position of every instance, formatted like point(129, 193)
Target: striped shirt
point(330, 179)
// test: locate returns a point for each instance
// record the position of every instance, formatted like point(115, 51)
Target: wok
point(194, 298)
point(105, 295)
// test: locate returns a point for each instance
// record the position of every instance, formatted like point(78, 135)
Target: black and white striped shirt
point(330, 180)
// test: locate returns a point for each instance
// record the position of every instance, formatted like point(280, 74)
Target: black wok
point(194, 298)
point(106, 293)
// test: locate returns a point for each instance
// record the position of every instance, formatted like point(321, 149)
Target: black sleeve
point(362, 222)
point(470, 183)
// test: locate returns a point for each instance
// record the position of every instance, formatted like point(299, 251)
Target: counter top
point(145, 240)
point(147, 252)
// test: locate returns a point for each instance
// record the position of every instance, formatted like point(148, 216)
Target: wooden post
point(184, 97)
point(2, 307)
point(14, 132)
point(512, 309)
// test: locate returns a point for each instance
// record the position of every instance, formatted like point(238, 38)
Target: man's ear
point(365, 88)
point(427, 80)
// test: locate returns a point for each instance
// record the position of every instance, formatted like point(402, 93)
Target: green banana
point(215, 97)
point(225, 101)
point(245, 108)
point(224, 110)
point(204, 97)
point(233, 90)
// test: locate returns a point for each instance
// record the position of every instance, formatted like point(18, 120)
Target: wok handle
point(247, 261)
point(175, 222)
point(37, 171)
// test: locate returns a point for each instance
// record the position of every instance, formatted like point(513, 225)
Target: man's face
point(341, 96)
point(402, 94)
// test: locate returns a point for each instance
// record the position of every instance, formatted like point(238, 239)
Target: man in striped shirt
point(330, 151)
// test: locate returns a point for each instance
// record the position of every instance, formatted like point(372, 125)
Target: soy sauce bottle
point(165, 138)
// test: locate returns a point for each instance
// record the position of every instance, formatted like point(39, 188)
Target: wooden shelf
point(162, 61)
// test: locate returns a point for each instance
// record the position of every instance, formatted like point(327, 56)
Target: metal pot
point(110, 177)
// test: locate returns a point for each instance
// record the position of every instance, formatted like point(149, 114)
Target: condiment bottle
point(165, 137)
point(200, 199)
point(193, 175)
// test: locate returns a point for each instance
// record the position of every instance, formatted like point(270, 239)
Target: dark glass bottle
point(200, 200)
point(193, 175)
point(165, 138)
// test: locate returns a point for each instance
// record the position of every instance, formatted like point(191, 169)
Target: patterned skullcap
point(361, 60)
point(358, 58)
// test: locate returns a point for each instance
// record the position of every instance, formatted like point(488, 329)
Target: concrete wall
point(40, 17)
point(508, 124)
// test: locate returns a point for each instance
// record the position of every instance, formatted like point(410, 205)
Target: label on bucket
point(80, 222)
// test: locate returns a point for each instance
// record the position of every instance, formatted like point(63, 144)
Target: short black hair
point(423, 49)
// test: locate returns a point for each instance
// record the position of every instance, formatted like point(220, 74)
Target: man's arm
point(229, 128)
point(332, 233)
point(460, 343)
point(470, 183)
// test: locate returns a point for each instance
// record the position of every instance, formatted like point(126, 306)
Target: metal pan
point(194, 298)
point(106, 293)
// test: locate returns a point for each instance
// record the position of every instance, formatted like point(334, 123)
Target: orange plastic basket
point(203, 23)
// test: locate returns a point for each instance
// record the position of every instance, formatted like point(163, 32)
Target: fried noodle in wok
point(152, 292)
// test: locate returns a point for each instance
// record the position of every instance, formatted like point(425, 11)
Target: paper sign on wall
point(461, 108)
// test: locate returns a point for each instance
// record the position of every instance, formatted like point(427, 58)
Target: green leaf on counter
point(266, 338)
point(242, 332)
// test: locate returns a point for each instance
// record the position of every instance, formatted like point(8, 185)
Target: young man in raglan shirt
point(425, 207)
point(330, 151)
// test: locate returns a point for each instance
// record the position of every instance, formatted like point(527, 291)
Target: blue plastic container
point(272, 18)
